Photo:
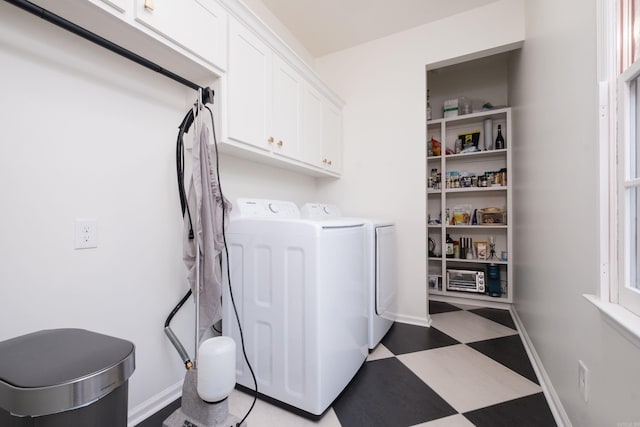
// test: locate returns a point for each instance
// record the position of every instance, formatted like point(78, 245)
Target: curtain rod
point(59, 21)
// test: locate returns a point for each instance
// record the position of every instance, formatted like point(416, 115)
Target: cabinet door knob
point(329, 162)
point(148, 5)
point(280, 143)
point(270, 140)
point(324, 161)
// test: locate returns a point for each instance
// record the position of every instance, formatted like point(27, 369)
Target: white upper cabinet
point(322, 132)
point(313, 105)
point(199, 26)
point(286, 109)
point(248, 87)
point(264, 96)
point(271, 106)
point(332, 138)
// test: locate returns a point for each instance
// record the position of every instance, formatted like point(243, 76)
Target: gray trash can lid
point(56, 370)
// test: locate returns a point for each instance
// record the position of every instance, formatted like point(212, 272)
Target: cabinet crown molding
point(246, 16)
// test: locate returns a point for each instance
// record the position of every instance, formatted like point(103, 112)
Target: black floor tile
point(386, 393)
point(156, 419)
point(529, 411)
point(436, 307)
point(497, 315)
point(510, 352)
point(403, 338)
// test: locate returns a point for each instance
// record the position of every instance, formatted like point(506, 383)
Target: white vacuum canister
point(216, 368)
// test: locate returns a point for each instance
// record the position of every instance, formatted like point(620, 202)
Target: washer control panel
point(320, 211)
point(265, 208)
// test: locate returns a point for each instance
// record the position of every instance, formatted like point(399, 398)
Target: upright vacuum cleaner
point(211, 376)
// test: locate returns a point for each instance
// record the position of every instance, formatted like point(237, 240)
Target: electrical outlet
point(583, 379)
point(86, 233)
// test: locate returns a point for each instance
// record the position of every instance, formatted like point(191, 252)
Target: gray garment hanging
point(206, 207)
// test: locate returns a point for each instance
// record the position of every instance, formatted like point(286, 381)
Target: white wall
point(243, 178)
point(383, 85)
point(556, 200)
point(87, 134)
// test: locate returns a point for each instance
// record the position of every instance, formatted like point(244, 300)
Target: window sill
point(621, 319)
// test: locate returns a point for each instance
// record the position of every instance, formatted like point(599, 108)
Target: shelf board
point(500, 303)
point(475, 154)
point(434, 225)
point(498, 113)
point(435, 258)
point(469, 295)
point(480, 226)
point(475, 189)
point(476, 261)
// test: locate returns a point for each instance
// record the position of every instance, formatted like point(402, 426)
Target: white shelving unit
point(439, 200)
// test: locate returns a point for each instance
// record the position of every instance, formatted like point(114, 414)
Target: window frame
point(628, 131)
point(607, 301)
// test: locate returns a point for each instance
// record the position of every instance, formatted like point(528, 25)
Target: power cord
point(226, 250)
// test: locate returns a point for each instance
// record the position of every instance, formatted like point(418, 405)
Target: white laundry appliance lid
point(326, 211)
point(282, 210)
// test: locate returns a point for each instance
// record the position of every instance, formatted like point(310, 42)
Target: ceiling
point(326, 26)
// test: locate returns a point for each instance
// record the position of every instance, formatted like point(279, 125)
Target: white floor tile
point(467, 379)
point(452, 421)
point(380, 352)
point(468, 327)
point(267, 415)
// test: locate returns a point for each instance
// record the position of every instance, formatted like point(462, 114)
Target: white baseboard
point(559, 414)
point(413, 320)
point(155, 403)
point(470, 302)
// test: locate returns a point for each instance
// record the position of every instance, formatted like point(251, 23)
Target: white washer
point(298, 285)
point(382, 268)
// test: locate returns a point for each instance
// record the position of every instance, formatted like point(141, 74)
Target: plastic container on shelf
point(492, 216)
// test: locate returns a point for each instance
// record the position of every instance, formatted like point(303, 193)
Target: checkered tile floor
point(470, 368)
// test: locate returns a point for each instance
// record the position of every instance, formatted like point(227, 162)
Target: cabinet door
point(332, 138)
point(286, 109)
point(198, 26)
point(247, 87)
point(313, 106)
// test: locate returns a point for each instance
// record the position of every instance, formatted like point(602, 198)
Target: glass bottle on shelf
point(429, 116)
point(449, 243)
point(499, 145)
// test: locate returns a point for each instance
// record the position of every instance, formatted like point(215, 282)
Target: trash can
point(65, 377)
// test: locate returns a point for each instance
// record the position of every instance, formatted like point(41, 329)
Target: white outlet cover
point(85, 233)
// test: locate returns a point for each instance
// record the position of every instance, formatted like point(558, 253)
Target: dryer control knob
point(326, 210)
point(273, 208)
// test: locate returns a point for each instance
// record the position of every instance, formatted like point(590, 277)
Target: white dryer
point(382, 267)
point(298, 285)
